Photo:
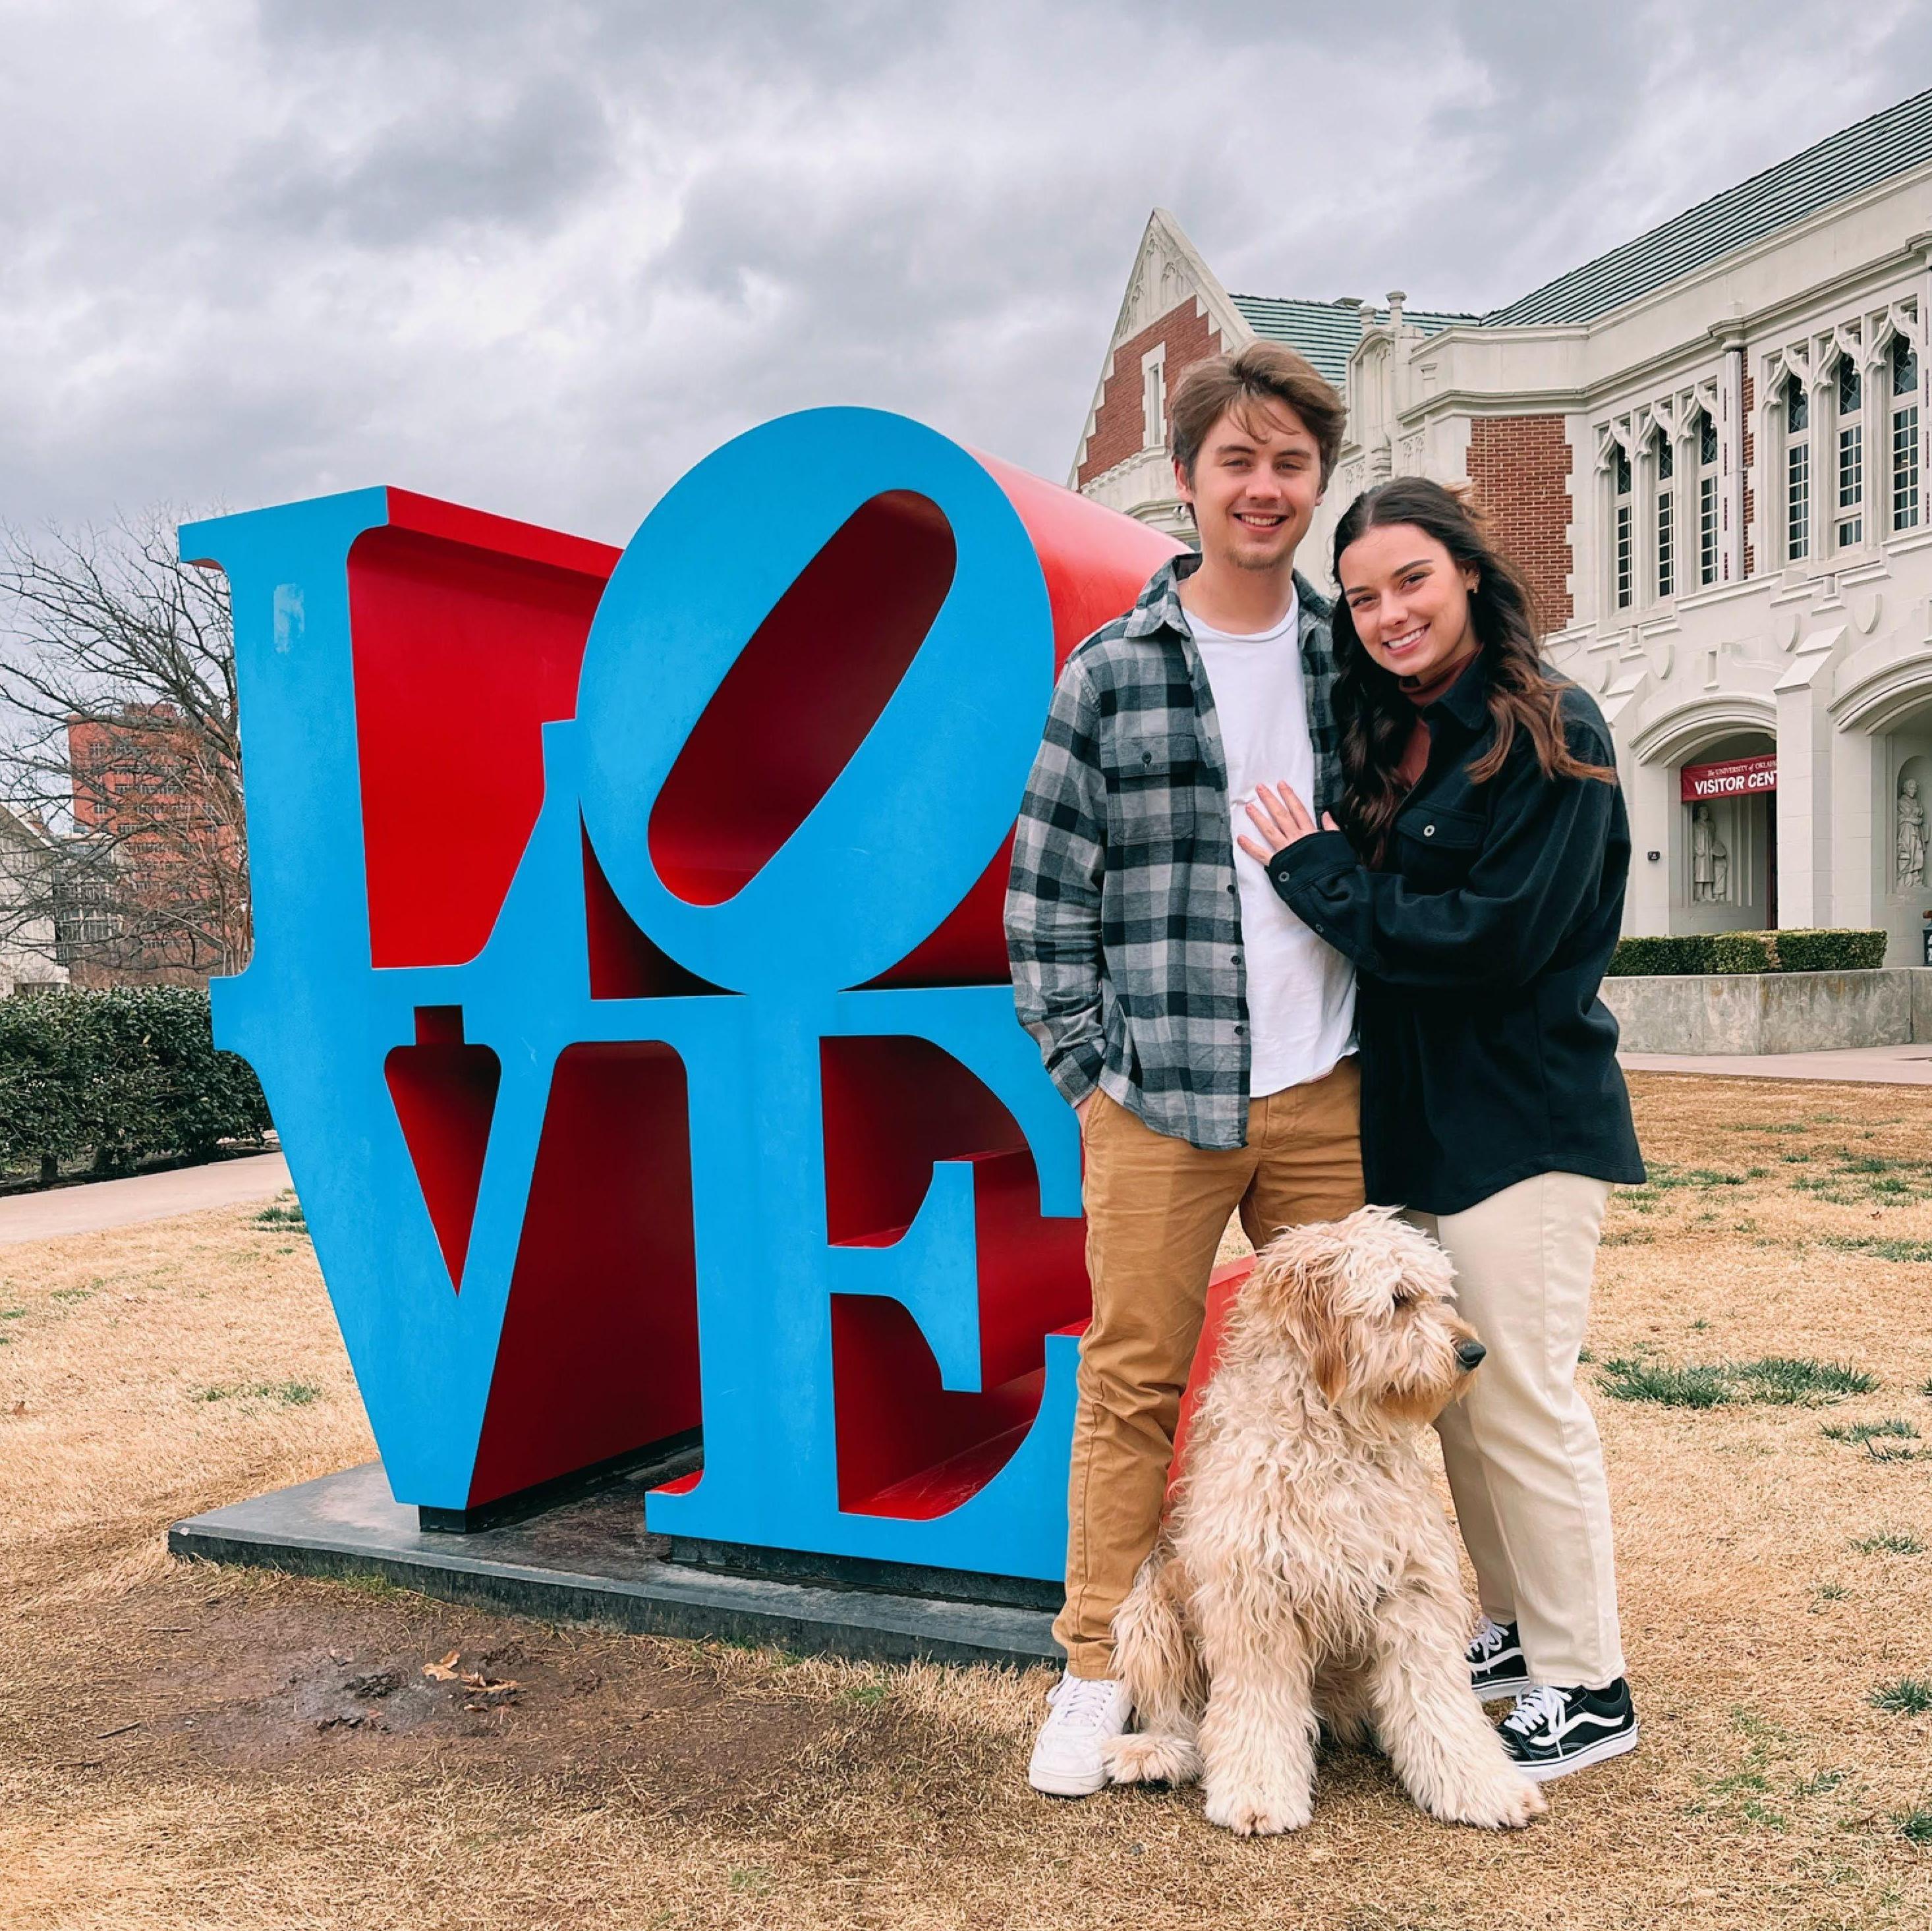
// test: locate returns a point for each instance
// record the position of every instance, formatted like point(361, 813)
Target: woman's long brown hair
point(1375, 719)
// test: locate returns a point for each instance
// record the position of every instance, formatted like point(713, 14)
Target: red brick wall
point(1750, 452)
point(1520, 467)
point(1117, 425)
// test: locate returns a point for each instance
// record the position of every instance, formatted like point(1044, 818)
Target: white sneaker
point(1068, 1757)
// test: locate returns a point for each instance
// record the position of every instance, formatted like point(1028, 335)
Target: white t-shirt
point(1301, 992)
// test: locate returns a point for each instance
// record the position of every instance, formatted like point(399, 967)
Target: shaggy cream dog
point(1306, 1575)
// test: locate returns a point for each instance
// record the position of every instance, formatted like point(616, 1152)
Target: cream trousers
point(1524, 1464)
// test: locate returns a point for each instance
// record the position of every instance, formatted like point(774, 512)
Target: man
point(1201, 1031)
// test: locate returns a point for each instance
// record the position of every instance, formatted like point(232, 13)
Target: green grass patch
point(289, 1394)
point(1909, 1696)
point(1908, 1251)
point(1888, 1542)
point(1858, 1179)
point(1780, 1381)
point(1895, 1429)
point(1915, 1825)
point(287, 1212)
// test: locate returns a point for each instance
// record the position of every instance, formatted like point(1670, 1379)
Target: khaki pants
point(1156, 1208)
point(1525, 1465)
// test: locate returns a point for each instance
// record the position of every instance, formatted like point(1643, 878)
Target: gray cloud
point(542, 259)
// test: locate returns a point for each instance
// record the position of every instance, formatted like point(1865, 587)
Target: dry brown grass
point(640, 1783)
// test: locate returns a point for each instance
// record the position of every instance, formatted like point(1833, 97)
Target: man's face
point(1256, 483)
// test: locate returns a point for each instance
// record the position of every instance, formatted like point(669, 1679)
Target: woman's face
point(1410, 599)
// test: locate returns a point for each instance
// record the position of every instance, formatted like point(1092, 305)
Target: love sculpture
point(629, 989)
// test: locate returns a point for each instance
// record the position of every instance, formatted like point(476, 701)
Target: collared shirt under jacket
point(1123, 925)
point(1487, 1056)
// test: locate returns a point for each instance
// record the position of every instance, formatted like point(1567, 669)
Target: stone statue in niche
point(1909, 843)
point(1710, 859)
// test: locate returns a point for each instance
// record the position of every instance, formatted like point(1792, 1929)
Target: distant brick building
point(151, 877)
point(1707, 450)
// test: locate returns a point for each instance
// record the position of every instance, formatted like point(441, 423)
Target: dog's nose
point(1470, 1353)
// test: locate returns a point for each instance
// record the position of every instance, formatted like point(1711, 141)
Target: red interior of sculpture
point(894, 1107)
point(599, 1350)
point(803, 692)
point(468, 632)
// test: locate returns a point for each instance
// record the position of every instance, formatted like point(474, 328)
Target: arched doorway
point(1724, 845)
point(1902, 833)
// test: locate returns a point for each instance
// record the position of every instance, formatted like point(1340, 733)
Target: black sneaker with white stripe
point(1552, 1732)
point(1496, 1665)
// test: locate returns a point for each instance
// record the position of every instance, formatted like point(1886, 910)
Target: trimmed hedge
point(122, 1076)
point(1795, 949)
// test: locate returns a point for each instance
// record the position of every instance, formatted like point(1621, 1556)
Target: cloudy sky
point(542, 257)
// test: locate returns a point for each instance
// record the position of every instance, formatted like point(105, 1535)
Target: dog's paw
point(1151, 1758)
point(1507, 1804)
point(1257, 1813)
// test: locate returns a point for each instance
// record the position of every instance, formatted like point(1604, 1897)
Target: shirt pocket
point(1151, 789)
point(1436, 846)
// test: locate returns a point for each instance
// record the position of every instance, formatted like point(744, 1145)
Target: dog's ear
point(1296, 1278)
point(1322, 1332)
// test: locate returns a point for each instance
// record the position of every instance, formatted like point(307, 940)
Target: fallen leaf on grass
point(444, 1672)
point(499, 1693)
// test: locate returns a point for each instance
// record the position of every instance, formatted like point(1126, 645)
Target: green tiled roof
point(1888, 144)
point(1326, 332)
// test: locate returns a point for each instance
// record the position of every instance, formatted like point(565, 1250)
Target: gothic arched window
point(1665, 457)
point(1797, 472)
point(1620, 524)
point(1904, 434)
point(1707, 498)
point(1849, 530)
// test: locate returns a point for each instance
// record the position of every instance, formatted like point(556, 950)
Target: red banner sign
point(1729, 778)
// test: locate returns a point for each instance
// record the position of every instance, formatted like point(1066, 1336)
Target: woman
point(1476, 881)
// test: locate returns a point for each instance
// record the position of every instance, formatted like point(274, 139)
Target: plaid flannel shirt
point(1123, 917)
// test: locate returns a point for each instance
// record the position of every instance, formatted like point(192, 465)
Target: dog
point(1305, 1577)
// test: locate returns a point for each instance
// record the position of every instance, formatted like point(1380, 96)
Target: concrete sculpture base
point(590, 1560)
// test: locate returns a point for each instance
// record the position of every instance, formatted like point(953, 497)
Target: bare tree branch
point(118, 740)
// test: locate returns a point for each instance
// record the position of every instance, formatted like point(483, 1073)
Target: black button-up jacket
point(1487, 1057)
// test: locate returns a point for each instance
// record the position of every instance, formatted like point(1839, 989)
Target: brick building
point(153, 889)
point(1707, 450)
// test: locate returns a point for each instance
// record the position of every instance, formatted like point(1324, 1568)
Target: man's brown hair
point(1263, 372)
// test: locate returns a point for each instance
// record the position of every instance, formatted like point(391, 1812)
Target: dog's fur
point(1306, 1576)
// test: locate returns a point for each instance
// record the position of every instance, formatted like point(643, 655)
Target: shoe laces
point(1489, 1638)
point(1535, 1709)
point(1083, 1703)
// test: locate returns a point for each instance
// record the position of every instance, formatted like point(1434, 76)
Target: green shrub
point(1685, 952)
point(122, 1076)
point(1795, 950)
point(1801, 949)
point(1743, 951)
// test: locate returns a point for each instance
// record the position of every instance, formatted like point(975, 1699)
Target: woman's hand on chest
point(1279, 816)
